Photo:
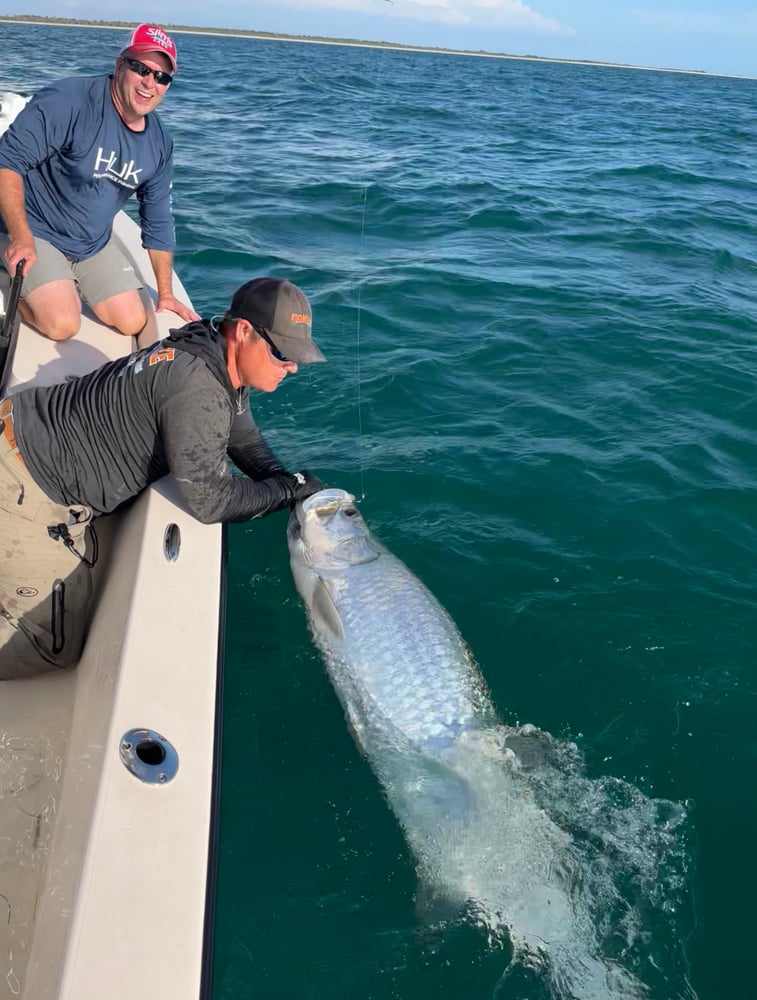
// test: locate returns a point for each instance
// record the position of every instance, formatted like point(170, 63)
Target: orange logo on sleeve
point(167, 354)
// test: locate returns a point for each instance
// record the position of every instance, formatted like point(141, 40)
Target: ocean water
point(534, 284)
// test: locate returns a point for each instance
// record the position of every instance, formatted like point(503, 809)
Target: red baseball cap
point(151, 38)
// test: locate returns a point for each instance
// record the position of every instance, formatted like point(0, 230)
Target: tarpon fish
point(406, 668)
point(457, 779)
point(414, 697)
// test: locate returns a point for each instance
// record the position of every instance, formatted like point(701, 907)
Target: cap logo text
point(300, 318)
point(161, 38)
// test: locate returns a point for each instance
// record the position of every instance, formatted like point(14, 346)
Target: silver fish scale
point(403, 653)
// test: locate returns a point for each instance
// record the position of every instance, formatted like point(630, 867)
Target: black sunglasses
point(274, 349)
point(141, 70)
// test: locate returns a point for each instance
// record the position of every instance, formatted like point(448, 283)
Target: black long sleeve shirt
point(170, 408)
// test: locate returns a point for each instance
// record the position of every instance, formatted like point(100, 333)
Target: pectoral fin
point(324, 611)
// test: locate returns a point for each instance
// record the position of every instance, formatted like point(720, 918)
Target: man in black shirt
point(71, 452)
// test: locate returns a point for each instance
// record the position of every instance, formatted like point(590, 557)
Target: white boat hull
point(104, 877)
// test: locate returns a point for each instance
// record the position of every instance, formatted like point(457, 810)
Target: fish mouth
point(322, 503)
point(329, 500)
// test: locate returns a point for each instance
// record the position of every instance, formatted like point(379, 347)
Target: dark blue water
point(535, 287)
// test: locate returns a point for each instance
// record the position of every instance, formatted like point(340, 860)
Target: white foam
point(10, 106)
point(566, 870)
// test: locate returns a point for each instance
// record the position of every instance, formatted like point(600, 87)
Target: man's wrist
point(20, 234)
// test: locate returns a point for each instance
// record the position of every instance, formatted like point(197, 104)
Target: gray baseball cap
point(283, 311)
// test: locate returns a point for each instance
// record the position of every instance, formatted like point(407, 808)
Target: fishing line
point(358, 290)
point(358, 369)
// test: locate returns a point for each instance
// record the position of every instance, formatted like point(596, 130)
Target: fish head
point(327, 532)
point(328, 538)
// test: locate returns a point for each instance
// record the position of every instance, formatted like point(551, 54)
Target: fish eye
point(350, 511)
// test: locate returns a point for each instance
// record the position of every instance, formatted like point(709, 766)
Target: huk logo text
point(106, 165)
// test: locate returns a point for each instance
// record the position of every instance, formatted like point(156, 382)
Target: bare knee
point(61, 326)
point(125, 313)
point(131, 327)
point(54, 309)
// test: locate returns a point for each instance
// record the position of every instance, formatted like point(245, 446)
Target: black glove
point(304, 484)
point(277, 492)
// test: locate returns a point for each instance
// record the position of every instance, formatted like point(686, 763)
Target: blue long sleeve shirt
point(80, 163)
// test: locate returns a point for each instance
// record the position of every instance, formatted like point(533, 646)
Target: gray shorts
point(100, 277)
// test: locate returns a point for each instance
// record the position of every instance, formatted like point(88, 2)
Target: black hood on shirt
point(203, 341)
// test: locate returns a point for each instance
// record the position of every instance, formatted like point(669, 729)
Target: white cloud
point(514, 15)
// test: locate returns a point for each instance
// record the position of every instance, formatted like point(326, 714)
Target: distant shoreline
point(357, 43)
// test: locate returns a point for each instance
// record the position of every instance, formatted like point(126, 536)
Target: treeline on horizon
point(321, 38)
point(241, 31)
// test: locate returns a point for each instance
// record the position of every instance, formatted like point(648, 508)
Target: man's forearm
point(162, 265)
point(12, 206)
point(236, 498)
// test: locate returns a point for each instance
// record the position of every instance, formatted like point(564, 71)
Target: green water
point(535, 287)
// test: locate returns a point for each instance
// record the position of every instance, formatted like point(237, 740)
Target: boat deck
point(102, 875)
point(34, 732)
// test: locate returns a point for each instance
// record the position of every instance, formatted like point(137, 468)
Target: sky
point(717, 36)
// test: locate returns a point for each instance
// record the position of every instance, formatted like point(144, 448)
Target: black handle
point(10, 312)
point(10, 316)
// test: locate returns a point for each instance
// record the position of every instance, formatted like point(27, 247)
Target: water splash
point(578, 881)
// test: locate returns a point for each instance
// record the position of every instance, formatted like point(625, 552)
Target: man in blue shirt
point(68, 163)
